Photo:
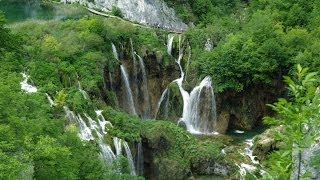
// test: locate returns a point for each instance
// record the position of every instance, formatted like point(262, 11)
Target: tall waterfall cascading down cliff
point(144, 89)
point(135, 88)
point(199, 107)
point(129, 97)
point(130, 106)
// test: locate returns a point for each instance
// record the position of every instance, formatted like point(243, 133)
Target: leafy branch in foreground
point(299, 118)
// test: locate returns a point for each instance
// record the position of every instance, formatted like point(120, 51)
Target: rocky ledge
point(153, 13)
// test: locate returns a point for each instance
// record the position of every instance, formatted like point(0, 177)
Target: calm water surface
point(17, 11)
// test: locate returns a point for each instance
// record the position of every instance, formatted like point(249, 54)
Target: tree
point(53, 161)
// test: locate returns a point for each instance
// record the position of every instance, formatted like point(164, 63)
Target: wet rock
point(158, 77)
point(171, 107)
point(222, 122)
point(154, 13)
point(210, 167)
point(307, 167)
point(182, 124)
point(247, 108)
point(265, 143)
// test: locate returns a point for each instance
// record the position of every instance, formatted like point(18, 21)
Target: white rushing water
point(134, 80)
point(106, 153)
point(244, 169)
point(115, 53)
point(139, 159)
point(102, 121)
point(51, 102)
point(28, 88)
point(83, 92)
point(126, 83)
point(117, 145)
point(163, 96)
point(248, 168)
point(199, 114)
point(196, 121)
point(85, 133)
point(145, 90)
point(248, 151)
point(128, 92)
point(169, 44)
point(238, 131)
point(130, 158)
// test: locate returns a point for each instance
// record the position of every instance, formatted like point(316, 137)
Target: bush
point(116, 12)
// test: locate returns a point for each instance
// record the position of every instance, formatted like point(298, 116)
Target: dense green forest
point(254, 43)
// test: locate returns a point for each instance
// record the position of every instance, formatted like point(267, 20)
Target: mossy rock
point(172, 106)
point(170, 167)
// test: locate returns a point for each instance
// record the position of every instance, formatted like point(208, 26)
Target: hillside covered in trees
point(169, 89)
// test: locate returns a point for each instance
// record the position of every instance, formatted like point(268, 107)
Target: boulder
point(265, 143)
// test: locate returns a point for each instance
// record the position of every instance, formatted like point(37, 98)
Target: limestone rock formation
point(153, 13)
point(307, 167)
point(265, 143)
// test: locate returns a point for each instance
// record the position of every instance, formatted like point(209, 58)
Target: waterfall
point(106, 153)
point(208, 45)
point(84, 131)
point(188, 61)
point(99, 126)
point(85, 134)
point(129, 157)
point(117, 145)
point(198, 121)
point(115, 53)
point(102, 121)
point(128, 91)
point(199, 107)
point(164, 95)
point(169, 44)
point(111, 81)
point(125, 79)
point(139, 159)
point(146, 99)
point(135, 75)
point(248, 151)
point(51, 102)
point(83, 92)
point(27, 87)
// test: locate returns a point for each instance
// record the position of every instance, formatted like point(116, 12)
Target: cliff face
point(153, 13)
point(151, 76)
point(246, 109)
point(148, 73)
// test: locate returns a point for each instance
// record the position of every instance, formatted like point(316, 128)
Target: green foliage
point(299, 118)
point(254, 43)
point(60, 99)
point(116, 11)
point(52, 160)
point(121, 164)
point(34, 141)
point(202, 11)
